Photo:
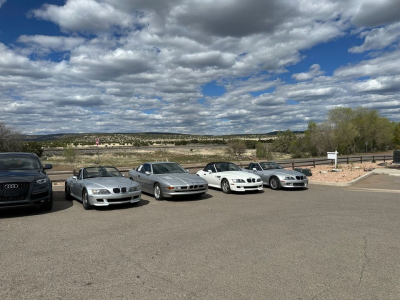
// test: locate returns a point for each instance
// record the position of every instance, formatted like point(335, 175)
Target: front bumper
point(172, 193)
point(294, 183)
point(111, 199)
point(34, 198)
point(243, 187)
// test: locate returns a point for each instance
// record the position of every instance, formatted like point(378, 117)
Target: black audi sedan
point(23, 181)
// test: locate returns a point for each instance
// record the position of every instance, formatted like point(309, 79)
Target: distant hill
point(64, 136)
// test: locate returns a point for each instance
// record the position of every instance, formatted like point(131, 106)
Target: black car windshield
point(94, 172)
point(223, 167)
point(165, 168)
point(19, 162)
point(270, 166)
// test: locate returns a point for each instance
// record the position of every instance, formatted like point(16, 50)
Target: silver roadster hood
point(110, 182)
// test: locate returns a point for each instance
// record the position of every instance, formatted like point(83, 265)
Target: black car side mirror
point(48, 166)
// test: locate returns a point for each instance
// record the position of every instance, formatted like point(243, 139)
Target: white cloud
point(314, 72)
point(85, 16)
point(378, 38)
point(2, 2)
point(139, 55)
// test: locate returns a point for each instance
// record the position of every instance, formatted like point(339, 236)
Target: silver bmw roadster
point(167, 179)
point(101, 186)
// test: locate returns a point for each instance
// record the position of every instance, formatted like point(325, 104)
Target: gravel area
point(346, 172)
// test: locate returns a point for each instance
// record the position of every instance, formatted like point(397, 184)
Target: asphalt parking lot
point(321, 243)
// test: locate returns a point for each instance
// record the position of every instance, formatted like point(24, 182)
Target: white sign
point(333, 155)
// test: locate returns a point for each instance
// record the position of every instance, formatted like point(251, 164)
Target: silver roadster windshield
point(94, 172)
point(165, 168)
point(270, 166)
point(19, 162)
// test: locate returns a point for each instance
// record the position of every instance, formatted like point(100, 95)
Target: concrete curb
point(342, 184)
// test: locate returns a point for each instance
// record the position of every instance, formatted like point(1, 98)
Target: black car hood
point(20, 175)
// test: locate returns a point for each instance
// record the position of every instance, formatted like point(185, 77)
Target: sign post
point(333, 155)
point(98, 156)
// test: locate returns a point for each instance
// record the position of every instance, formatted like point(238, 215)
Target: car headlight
point(259, 180)
point(289, 178)
point(238, 181)
point(41, 181)
point(100, 191)
point(134, 189)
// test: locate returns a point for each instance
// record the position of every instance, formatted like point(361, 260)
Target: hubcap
point(157, 191)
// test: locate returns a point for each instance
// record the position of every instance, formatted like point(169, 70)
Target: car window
point(19, 162)
point(165, 168)
point(139, 168)
point(94, 172)
point(210, 168)
point(79, 174)
point(146, 168)
point(269, 166)
point(224, 167)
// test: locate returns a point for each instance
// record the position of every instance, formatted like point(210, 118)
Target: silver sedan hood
point(182, 179)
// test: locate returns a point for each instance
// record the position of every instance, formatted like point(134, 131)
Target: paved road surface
point(321, 243)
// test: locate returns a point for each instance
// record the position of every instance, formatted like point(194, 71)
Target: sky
point(194, 66)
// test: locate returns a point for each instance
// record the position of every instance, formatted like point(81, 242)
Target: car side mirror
point(209, 171)
point(187, 171)
point(123, 175)
point(147, 173)
point(254, 169)
point(74, 178)
point(48, 166)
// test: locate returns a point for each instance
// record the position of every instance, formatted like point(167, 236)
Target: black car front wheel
point(226, 188)
point(67, 193)
point(158, 192)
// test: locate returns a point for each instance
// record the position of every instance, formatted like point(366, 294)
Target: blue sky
point(194, 66)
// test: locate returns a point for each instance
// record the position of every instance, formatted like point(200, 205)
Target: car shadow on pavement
point(189, 198)
point(59, 204)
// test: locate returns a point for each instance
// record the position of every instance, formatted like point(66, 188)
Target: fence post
point(314, 163)
point(293, 165)
point(361, 158)
point(384, 158)
point(347, 159)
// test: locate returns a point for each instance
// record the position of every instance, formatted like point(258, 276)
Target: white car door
point(210, 174)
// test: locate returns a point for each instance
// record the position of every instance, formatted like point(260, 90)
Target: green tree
point(70, 154)
point(236, 149)
point(263, 152)
point(283, 141)
point(10, 138)
point(33, 147)
point(396, 135)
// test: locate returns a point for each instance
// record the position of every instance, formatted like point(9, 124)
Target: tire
point(274, 183)
point(226, 189)
point(67, 193)
point(48, 206)
point(85, 201)
point(158, 192)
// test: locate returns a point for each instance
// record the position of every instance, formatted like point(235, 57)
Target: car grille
point(192, 187)
point(298, 184)
point(249, 180)
point(14, 185)
point(300, 177)
point(252, 187)
point(119, 190)
point(122, 199)
point(14, 191)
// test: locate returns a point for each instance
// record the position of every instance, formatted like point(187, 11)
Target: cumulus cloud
point(85, 16)
point(378, 38)
point(372, 13)
point(48, 43)
point(143, 64)
point(314, 72)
